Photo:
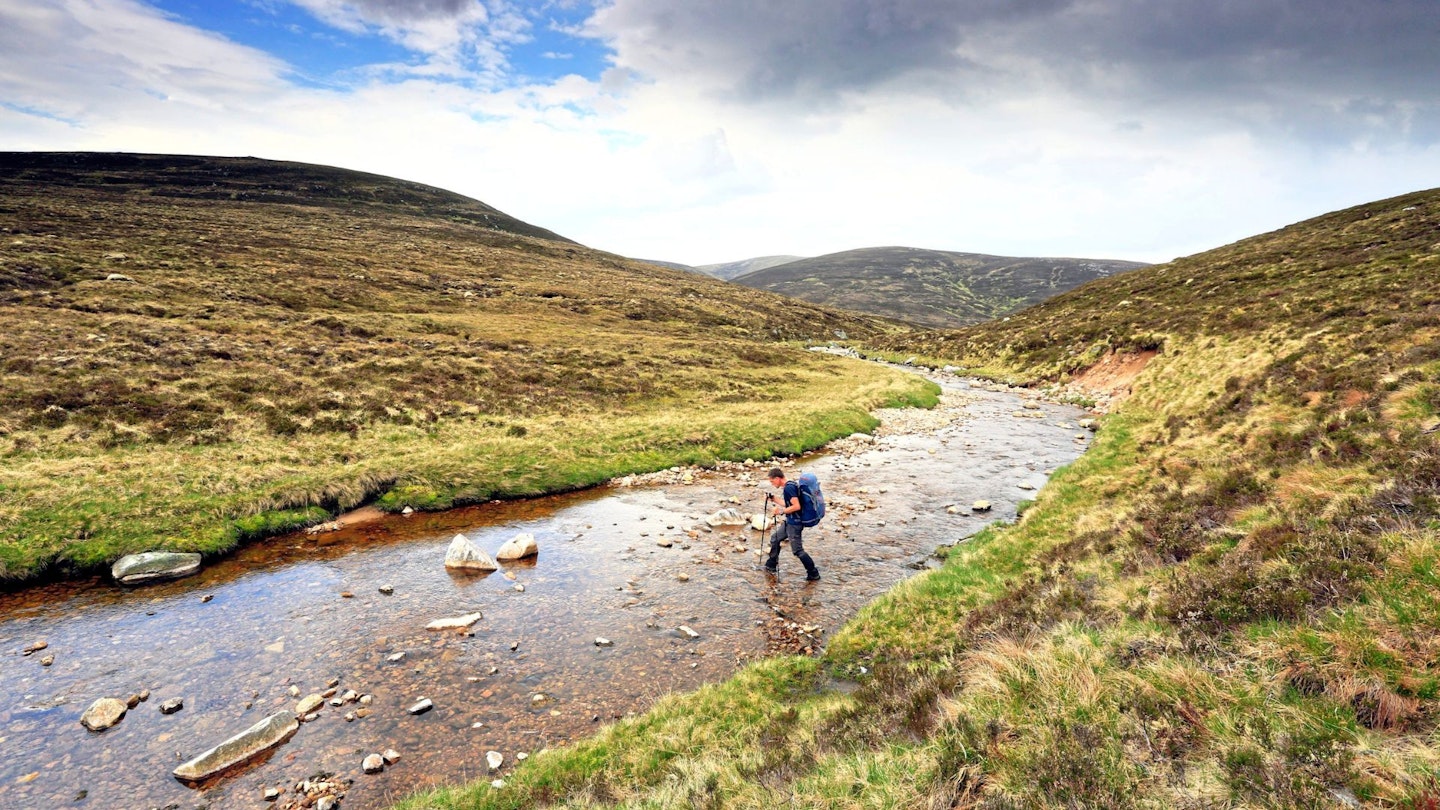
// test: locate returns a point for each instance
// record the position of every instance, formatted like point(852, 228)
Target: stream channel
point(630, 562)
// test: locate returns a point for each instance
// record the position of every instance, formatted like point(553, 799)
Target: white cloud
point(664, 166)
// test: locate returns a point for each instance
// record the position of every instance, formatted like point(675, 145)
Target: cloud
point(1259, 63)
point(461, 35)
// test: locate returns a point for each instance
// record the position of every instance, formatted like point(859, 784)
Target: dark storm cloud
point(1266, 60)
point(766, 49)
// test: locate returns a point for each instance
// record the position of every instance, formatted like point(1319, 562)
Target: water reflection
point(304, 611)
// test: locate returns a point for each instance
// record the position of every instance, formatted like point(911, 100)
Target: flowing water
point(630, 564)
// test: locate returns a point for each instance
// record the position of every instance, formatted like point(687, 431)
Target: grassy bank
point(88, 506)
point(198, 351)
point(1229, 601)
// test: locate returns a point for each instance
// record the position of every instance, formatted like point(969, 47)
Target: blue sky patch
point(322, 55)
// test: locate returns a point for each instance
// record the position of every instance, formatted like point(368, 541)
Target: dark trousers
point(791, 532)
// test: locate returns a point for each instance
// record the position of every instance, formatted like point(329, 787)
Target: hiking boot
point(769, 569)
point(812, 576)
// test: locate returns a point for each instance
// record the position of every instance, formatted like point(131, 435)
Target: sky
point(705, 132)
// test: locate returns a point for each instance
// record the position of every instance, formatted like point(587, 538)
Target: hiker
point(791, 528)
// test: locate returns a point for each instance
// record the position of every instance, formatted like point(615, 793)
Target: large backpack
point(812, 500)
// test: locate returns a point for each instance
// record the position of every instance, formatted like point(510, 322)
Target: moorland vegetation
point(197, 351)
point(935, 288)
point(1232, 600)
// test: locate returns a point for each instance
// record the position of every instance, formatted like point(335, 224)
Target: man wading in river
point(789, 530)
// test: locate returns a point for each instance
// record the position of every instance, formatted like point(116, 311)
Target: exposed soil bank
point(307, 609)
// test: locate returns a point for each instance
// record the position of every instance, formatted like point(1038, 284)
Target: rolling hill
point(1231, 600)
point(727, 271)
point(928, 287)
point(196, 351)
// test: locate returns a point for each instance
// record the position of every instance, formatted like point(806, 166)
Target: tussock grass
point(1232, 600)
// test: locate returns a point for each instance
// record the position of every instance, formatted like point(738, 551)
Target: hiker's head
point(777, 476)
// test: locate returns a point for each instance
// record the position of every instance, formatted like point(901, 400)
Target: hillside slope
point(1232, 600)
point(195, 351)
point(729, 270)
point(929, 287)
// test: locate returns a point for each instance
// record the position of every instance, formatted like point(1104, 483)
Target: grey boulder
point(154, 566)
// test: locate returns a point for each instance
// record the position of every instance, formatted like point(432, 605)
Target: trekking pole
point(765, 520)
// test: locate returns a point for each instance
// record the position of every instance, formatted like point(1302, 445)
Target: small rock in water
point(421, 706)
point(332, 683)
point(373, 763)
point(391, 756)
point(294, 691)
point(172, 705)
point(350, 717)
point(36, 647)
point(665, 542)
point(207, 597)
point(687, 632)
point(537, 698)
point(132, 701)
point(47, 660)
point(518, 547)
point(514, 646)
point(387, 589)
point(393, 657)
point(455, 622)
point(522, 756)
point(103, 714)
point(346, 595)
point(271, 794)
point(603, 642)
point(980, 506)
point(464, 554)
point(309, 704)
point(366, 700)
point(683, 577)
point(519, 588)
point(494, 759)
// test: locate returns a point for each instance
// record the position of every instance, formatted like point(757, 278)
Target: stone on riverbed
point(518, 548)
point(494, 759)
point(154, 566)
point(726, 517)
point(464, 554)
point(261, 737)
point(103, 714)
point(373, 764)
point(980, 506)
point(421, 706)
point(455, 622)
point(309, 704)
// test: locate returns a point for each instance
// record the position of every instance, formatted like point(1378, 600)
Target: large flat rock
point(154, 566)
point(252, 742)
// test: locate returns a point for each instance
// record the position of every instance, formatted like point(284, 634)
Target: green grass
point(1229, 601)
point(296, 340)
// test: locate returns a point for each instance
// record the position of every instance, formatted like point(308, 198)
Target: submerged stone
point(154, 566)
point(455, 622)
point(261, 737)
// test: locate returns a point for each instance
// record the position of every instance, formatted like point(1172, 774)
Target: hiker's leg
point(797, 547)
point(775, 538)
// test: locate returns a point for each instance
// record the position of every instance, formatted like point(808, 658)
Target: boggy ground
point(307, 610)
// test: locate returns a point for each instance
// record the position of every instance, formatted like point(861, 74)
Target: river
point(628, 562)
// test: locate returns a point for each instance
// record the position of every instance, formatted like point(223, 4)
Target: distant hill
point(196, 351)
point(729, 270)
point(929, 287)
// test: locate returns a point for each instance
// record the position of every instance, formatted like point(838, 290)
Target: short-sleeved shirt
point(792, 490)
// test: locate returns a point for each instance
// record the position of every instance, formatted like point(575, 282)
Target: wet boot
point(811, 572)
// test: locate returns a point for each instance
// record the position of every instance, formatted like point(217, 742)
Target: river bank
point(628, 563)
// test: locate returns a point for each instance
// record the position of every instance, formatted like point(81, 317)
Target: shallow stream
point(626, 563)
